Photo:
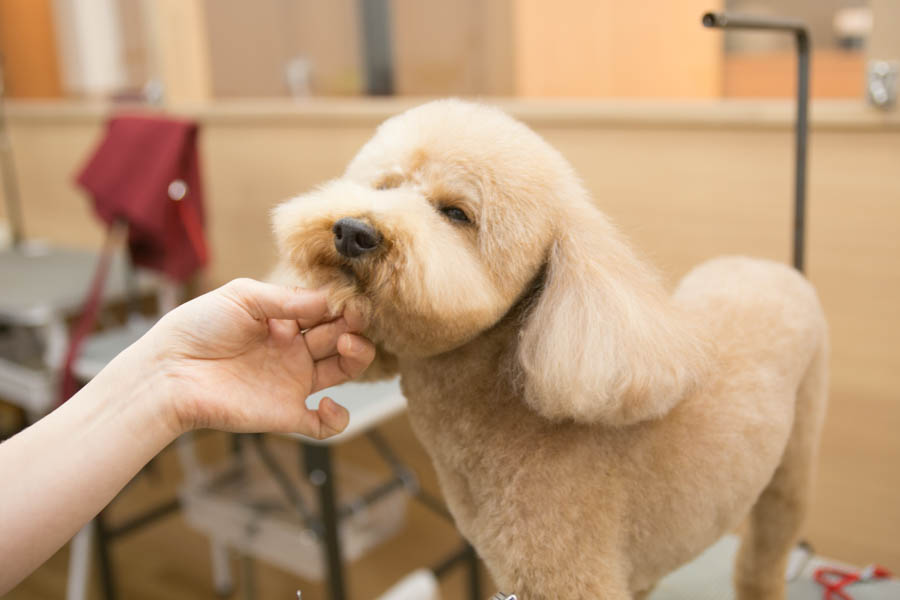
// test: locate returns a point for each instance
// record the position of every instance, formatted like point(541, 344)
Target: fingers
point(333, 418)
point(283, 331)
point(322, 339)
point(267, 301)
point(329, 419)
point(355, 353)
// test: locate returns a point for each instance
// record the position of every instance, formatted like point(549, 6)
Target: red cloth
point(128, 178)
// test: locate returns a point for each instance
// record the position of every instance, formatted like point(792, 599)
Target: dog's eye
point(455, 214)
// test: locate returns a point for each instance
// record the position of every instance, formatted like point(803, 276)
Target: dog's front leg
point(584, 576)
point(576, 591)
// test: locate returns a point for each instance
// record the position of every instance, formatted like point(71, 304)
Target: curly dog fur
point(591, 432)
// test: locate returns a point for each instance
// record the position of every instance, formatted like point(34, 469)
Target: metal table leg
point(107, 579)
point(474, 575)
point(80, 563)
point(317, 461)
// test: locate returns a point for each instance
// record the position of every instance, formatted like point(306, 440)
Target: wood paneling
point(607, 48)
point(28, 49)
point(251, 44)
point(453, 48)
point(835, 74)
point(178, 48)
point(884, 43)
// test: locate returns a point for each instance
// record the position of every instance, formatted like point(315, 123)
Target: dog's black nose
point(353, 237)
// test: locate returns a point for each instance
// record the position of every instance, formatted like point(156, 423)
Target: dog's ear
point(602, 341)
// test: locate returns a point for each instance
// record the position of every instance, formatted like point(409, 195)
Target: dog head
point(449, 216)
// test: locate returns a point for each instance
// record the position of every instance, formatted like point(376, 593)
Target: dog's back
point(756, 312)
point(748, 439)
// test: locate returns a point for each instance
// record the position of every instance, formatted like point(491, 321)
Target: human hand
point(244, 358)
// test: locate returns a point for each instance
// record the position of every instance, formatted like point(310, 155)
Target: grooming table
point(369, 404)
point(322, 516)
point(708, 577)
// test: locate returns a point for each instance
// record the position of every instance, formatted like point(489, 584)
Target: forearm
point(60, 472)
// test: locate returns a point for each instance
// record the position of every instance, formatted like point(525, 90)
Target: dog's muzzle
point(353, 238)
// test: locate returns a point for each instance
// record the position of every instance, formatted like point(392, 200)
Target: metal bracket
point(881, 83)
point(801, 35)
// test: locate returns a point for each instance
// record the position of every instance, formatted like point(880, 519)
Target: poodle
point(590, 431)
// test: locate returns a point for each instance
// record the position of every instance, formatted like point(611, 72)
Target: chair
point(44, 287)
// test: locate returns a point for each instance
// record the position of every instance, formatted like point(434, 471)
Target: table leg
point(107, 579)
point(221, 568)
point(474, 575)
point(320, 473)
point(80, 563)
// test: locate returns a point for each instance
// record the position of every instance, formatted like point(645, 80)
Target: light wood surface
point(686, 181)
point(251, 43)
point(607, 48)
point(834, 74)
point(28, 49)
point(462, 48)
point(178, 48)
point(884, 43)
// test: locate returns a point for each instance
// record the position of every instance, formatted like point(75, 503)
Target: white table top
point(369, 404)
point(39, 282)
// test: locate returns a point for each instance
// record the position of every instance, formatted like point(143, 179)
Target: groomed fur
point(590, 431)
point(604, 343)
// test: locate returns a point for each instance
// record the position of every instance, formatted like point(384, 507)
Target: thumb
point(329, 419)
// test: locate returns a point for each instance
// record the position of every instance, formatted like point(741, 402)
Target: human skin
point(241, 358)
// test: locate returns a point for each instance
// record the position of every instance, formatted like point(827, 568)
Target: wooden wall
point(607, 48)
point(686, 181)
point(28, 49)
point(252, 42)
point(463, 47)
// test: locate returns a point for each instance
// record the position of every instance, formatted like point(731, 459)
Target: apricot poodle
point(591, 431)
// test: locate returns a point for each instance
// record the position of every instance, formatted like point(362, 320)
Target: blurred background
point(299, 48)
point(683, 134)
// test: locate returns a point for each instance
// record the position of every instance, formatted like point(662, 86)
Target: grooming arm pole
point(801, 127)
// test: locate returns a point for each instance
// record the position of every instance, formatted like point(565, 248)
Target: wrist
point(141, 385)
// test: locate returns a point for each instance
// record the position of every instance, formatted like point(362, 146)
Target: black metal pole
point(157, 512)
point(317, 460)
point(801, 127)
point(107, 578)
point(474, 575)
point(378, 61)
point(800, 146)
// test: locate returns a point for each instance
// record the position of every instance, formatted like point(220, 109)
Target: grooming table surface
point(99, 349)
point(708, 577)
point(42, 281)
point(369, 404)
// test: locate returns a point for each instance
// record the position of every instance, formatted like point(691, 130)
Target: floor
point(169, 560)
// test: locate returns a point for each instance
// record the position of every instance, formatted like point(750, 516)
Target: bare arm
point(241, 358)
